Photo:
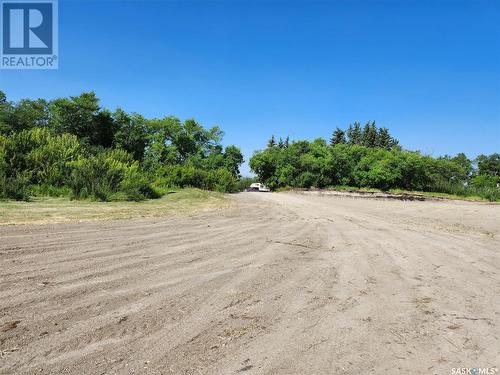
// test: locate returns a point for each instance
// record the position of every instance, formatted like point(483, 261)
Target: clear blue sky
point(427, 70)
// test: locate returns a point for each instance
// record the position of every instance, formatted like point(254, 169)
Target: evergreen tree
point(349, 134)
point(281, 144)
point(271, 143)
point(354, 134)
point(383, 138)
point(393, 143)
point(338, 137)
point(287, 141)
point(369, 135)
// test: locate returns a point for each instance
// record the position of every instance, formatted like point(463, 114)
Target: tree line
point(370, 157)
point(370, 136)
point(74, 147)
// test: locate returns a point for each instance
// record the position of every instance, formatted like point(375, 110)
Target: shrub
point(223, 181)
point(16, 187)
point(135, 185)
point(50, 190)
point(103, 175)
point(492, 194)
point(483, 181)
point(181, 176)
point(305, 180)
point(13, 184)
point(40, 157)
point(378, 169)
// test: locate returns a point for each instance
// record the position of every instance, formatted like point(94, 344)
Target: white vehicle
point(257, 186)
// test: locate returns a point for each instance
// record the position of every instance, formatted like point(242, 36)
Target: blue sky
point(427, 70)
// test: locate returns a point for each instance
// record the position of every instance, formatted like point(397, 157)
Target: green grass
point(42, 210)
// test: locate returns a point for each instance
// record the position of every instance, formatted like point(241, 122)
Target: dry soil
point(275, 284)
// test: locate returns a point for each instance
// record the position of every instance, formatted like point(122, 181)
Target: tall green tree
point(233, 158)
point(354, 134)
point(131, 133)
point(338, 137)
point(26, 114)
point(465, 165)
point(369, 135)
point(5, 111)
point(271, 142)
point(281, 144)
point(82, 116)
point(383, 138)
point(488, 164)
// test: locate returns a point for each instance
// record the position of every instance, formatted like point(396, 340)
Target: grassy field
point(56, 210)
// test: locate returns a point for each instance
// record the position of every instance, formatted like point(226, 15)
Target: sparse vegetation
point(43, 210)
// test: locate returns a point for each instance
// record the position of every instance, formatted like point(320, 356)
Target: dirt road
point(277, 284)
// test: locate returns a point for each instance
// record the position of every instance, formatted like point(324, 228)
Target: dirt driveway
point(277, 284)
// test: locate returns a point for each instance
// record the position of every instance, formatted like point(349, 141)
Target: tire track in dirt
point(276, 284)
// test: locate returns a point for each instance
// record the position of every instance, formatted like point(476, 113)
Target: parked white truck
point(257, 186)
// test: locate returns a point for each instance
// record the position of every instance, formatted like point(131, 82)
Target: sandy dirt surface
point(276, 284)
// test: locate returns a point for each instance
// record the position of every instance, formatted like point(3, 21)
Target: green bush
point(50, 190)
point(135, 185)
point(305, 180)
point(105, 174)
point(181, 176)
point(223, 181)
point(16, 187)
point(492, 194)
point(13, 184)
point(377, 169)
point(485, 181)
point(44, 155)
